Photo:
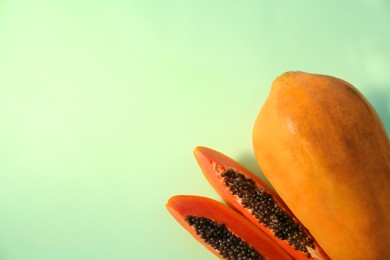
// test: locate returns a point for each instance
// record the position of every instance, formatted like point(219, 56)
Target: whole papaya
point(326, 152)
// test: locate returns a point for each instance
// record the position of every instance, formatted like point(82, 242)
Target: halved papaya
point(223, 231)
point(249, 195)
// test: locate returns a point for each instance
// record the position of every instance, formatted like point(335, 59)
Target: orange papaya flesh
point(249, 195)
point(223, 231)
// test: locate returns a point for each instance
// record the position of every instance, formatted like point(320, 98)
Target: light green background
point(102, 102)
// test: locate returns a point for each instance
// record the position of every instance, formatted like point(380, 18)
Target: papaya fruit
point(324, 149)
point(249, 195)
point(223, 231)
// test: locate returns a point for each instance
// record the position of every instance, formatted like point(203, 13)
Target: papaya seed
point(220, 238)
point(264, 208)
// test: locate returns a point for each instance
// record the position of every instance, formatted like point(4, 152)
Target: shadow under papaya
point(380, 100)
point(248, 160)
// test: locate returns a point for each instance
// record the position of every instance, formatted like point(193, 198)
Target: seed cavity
point(222, 239)
point(267, 212)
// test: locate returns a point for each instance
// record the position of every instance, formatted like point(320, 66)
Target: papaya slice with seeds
point(249, 195)
point(223, 231)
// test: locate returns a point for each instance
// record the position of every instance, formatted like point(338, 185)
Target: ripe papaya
point(223, 231)
point(324, 149)
point(249, 195)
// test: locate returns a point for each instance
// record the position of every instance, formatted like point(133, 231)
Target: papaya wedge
point(223, 231)
point(249, 195)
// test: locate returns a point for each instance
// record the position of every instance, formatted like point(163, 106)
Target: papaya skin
point(214, 163)
point(326, 152)
point(181, 206)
